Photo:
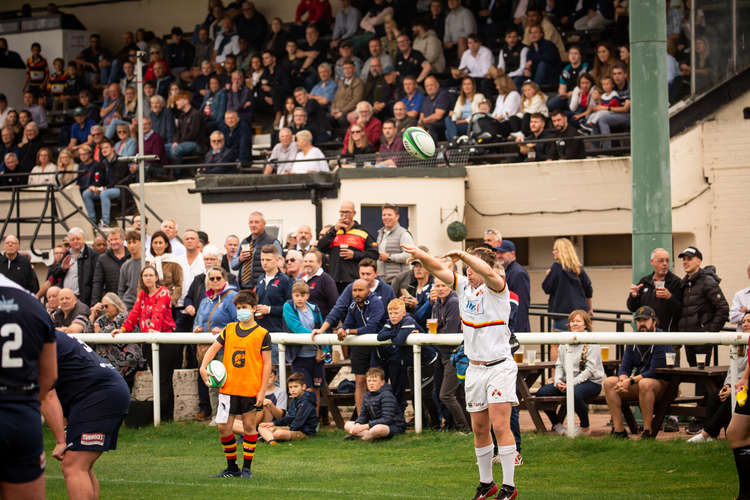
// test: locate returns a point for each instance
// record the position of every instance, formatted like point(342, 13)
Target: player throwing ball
point(94, 398)
point(247, 358)
point(484, 304)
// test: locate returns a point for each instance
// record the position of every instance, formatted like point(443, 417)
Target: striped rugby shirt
point(485, 314)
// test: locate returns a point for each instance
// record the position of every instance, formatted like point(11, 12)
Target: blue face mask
point(244, 315)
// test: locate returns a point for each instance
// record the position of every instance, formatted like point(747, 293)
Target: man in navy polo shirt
point(435, 106)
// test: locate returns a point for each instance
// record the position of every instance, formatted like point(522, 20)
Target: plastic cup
point(659, 284)
point(432, 324)
point(605, 353)
point(531, 356)
point(518, 356)
point(671, 357)
point(246, 247)
point(701, 359)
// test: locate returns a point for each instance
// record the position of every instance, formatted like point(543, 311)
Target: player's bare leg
point(77, 468)
point(32, 490)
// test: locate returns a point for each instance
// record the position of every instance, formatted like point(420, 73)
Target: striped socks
point(248, 449)
point(229, 444)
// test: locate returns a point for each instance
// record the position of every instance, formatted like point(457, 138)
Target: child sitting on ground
point(300, 420)
point(380, 415)
point(274, 404)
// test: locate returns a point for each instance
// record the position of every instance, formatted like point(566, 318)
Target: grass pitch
point(177, 460)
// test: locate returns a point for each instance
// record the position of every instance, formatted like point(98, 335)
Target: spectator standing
point(567, 284)
point(390, 239)
point(152, 313)
point(169, 226)
point(636, 377)
point(170, 270)
point(107, 271)
point(247, 258)
point(273, 288)
point(459, 24)
point(130, 270)
point(704, 308)
point(347, 243)
point(518, 280)
point(588, 375)
point(323, 292)
point(17, 267)
point(76, 269)
point(569, 145)
point(661, 290)
point(740, 305)
point(216, 308)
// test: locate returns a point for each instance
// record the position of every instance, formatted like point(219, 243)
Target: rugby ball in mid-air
point(217, 373)
point(418, 143)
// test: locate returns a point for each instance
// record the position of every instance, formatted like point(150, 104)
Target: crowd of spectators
point(351, 282)
point(457, 69)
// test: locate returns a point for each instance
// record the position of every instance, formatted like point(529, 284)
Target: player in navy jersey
point(93, 397)
point(28, 367)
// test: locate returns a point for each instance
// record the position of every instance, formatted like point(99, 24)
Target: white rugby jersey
point(484, 316)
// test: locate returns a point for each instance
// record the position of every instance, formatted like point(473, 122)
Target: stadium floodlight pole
point(649, 133)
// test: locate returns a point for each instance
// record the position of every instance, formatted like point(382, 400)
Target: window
point(372, 220)
point(607, 250)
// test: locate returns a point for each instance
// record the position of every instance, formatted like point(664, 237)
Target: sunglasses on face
point(356, 131)
point(291, 260)
point(214, 278)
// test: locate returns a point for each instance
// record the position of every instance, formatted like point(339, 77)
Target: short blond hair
point(396, 305)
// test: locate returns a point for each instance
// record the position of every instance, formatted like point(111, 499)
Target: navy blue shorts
point(361, 359)
point(742, 410)
point(97, 435)
point(311, 369)
point(393, 430)
point(21, 444)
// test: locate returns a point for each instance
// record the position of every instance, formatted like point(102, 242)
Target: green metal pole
point(649, 133)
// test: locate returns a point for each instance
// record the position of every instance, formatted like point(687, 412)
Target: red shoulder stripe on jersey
point(455, 281)
point(482, 325)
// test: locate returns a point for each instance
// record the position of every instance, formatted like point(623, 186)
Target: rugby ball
point(217, 373)
point(418, 143)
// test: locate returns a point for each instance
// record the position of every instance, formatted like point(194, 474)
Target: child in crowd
point(300, 421)
point(380, 415)
point(247, 359)
point(595, 98)
point(37, 71)
point(609, 98)
point(302, 316)
point(533, 101)
point(57, 84)
point(395, 357)
point(274, 404)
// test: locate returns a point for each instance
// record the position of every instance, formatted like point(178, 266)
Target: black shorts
point(311, 369)
point(239, 405)
point(21, 444)
point(95, 435)
point(361, 359)
point(742, 410)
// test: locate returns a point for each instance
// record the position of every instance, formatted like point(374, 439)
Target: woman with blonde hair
point(507, 104)
point(567, 284)
point(43, 173)
point(588, 375)
point(533, 101)
point(466, 105)
point(358, 144)
point(67, 166)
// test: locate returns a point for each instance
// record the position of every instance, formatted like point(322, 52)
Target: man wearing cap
point(518, 281)
point(80, 132)
point(704, 308)
point(636, 378)
point(661, 290)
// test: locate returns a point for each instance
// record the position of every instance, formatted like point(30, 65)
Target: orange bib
point(243, 361)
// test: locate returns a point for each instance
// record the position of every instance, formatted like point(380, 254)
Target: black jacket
point(86, 266)
point(106, 274)
point(381, 407)
point(255, 269)
point(20, 271)
point(518, 280)
point(566, 147)
point(704, 308)
point(542, 151)
point(359, 240)
point(667, 311)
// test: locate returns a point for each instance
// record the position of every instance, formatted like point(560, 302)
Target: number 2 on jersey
point(12, 330)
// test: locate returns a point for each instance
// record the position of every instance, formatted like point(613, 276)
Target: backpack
point(460, 362)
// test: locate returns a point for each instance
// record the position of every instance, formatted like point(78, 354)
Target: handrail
point(416, 340)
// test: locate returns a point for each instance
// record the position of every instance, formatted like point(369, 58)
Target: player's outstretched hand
point(454, 255)
point(414, 251)
point(59, 450)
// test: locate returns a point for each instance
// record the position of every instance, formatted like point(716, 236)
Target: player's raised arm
point(433, 265)
point(492, 278)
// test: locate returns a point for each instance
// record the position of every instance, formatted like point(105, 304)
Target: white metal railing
point(417, 340)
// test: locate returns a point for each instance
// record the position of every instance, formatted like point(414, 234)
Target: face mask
point(244, 315)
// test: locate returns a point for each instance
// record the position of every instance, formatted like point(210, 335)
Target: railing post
point(569, 388)
point(156, 381)
point(282, 365)
point(733, 373)
point(417, 388)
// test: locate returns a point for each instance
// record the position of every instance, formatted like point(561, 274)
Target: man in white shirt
point(308, 154)
point(475, 62)
point(282, 154)
point(484, 304)
point(740, 305)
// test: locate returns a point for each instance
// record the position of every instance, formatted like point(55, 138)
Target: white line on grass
point(225, 484)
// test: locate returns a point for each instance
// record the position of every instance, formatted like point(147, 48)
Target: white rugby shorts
point(222, 412)
point(493, 384)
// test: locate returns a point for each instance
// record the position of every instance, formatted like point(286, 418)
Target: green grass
point(176, 460)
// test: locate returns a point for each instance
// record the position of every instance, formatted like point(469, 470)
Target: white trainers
point(698, 438)
point(559, 429)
